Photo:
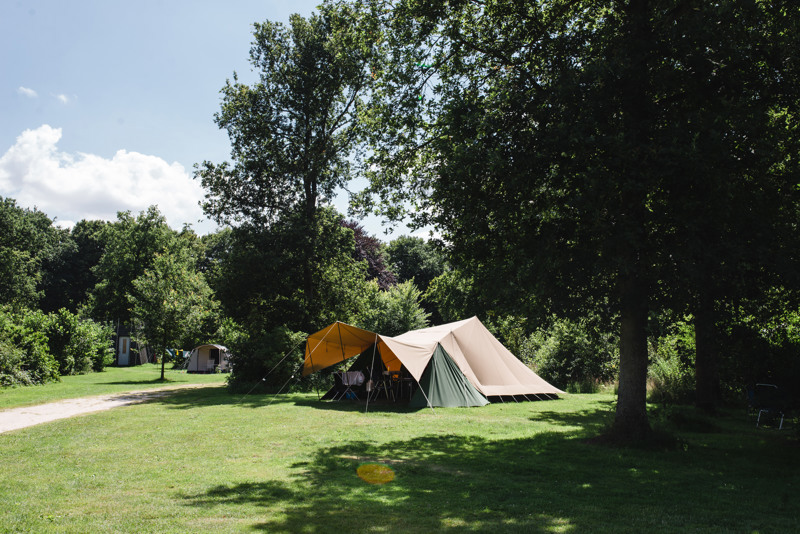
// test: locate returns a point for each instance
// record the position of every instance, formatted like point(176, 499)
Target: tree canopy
point(567, 149)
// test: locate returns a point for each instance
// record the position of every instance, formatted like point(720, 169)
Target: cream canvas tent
point(455, 364)
point(208, 358)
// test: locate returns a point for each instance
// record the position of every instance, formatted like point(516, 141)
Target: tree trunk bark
point(630, 422)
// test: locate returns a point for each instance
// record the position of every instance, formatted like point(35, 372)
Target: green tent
point(443, 384)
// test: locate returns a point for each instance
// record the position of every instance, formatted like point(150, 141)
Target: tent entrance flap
point(445, 385)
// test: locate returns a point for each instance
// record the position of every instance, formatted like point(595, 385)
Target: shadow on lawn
point(542, 483)
point(442, 483)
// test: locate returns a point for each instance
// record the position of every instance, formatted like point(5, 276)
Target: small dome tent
point(208, 359)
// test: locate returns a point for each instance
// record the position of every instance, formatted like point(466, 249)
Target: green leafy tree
point(553, 155)
point(293, 132)
point(27, 238)
point(68, 272)
point(453, 296)
point(169, 300)
point(130, 245)
point(413, 258)
point(393, 311)
point(370, 250)
point(257, 275)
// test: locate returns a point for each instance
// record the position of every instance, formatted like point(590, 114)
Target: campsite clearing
point(204, 460)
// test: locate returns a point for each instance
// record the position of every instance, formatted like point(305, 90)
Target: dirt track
point(16, 418)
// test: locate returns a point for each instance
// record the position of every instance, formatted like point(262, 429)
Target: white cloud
point(79, 186)
point(64, 99)
point(24, 91)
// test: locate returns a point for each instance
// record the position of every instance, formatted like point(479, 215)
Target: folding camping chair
point(351, 379)
point(769, 400)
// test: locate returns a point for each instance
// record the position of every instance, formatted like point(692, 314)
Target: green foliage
point(27, 238)
point(68, 276)
point(369, 249)
point(572, 354)
point(671, 372)
point(129, 247)
point(12, 370)
point(61, 331)
point(453, 297)
point(171, 302)
point(293, 131)
point(41, 347)
point(257, 274)
point(267, 361)
point(393, 311)
point(602, 153)
point(24, 331)
point(413, 258)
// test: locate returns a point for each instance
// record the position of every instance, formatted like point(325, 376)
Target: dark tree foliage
point(592, 152)
point(257, 275)
point(369, 249)
point(27, 240)
point(68, 275)
point(413, 258)
point(130, 244)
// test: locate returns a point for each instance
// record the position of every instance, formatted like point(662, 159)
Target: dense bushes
point(258, 361)
point(572, 355)
point(36, 347)
point(393, 311)
point(671, 372)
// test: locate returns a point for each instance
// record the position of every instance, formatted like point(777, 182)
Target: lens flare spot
point(375, 473)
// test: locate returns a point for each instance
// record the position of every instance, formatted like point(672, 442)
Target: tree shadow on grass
point(150, 381)
point(542, 483)
point(215, 395)
point(591, 421)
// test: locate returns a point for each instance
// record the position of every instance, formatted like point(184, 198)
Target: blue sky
point(105, 105)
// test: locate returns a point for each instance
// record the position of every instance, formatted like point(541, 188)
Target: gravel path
point(15, 418)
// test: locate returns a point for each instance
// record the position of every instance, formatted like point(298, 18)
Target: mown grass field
point(203, 460)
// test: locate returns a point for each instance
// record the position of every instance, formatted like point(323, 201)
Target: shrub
point(570, 353)
point(393, 311)
point(79, 346)
point(671, 371)
point(12, 372)
point(269, 360)
point(26, 347)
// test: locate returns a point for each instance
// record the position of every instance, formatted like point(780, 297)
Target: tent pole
point(372, 372)
point(310, 359)
point(341, 344)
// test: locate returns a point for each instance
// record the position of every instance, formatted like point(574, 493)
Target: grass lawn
point(203, 460)
point(112, 380)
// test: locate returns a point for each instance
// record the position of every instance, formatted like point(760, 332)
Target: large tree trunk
point(630, 422)
point(706, 371)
